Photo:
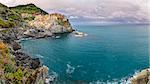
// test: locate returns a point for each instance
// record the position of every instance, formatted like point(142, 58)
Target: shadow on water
point(61, 36)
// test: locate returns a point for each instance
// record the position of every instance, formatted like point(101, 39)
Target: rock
point(37, 33)
point(35, 63)
point(26, 61)
point(15, 46)
point(40, 75)
point(8, 37)
point(30, 33)
point(142, 77)
point(57, 29)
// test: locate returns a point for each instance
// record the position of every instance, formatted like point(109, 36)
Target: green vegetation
point(13, 16)
point(9, 68)
point(8, 18)
point(16, 77)
point(7, 24)
point(28, 11)
point(29, 8)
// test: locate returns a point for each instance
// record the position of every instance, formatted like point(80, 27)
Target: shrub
point(18, 75)
point(9, 68)
point(9, 76)
point(6, 24)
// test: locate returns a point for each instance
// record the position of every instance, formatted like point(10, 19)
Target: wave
point(52, 77)
point(124, 80)
point(39, 56)
point(70, 69)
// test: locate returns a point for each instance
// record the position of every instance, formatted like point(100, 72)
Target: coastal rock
point(58, 29)
point(8, 36)
point(35, 63)
point(39, 76)
point(15, 46)
point(142, 77)
point(26, 61)
point(37, 33)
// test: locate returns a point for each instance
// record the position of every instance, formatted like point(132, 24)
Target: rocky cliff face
point(55, 23)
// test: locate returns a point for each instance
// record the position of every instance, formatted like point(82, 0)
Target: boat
point(56, 37)
point(79, 34)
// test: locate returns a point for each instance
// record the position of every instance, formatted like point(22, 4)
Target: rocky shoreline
point(22, 61)
point(24, 22)
point(9, 37)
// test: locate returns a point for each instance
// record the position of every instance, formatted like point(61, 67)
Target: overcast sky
point(95, 9)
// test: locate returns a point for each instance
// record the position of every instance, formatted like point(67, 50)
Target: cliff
point(56, 23)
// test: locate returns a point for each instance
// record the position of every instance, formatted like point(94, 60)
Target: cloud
point(130, 10)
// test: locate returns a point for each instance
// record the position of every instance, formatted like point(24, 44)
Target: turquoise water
point(108, 53)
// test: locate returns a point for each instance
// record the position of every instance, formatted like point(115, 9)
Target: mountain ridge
point(28, 8)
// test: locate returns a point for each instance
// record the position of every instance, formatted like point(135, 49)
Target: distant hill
point(29, 8)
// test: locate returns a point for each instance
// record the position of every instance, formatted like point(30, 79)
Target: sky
point(99, 10)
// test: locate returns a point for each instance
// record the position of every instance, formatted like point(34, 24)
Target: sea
point(108, 54)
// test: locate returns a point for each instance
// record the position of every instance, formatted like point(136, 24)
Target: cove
point(108, 53)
